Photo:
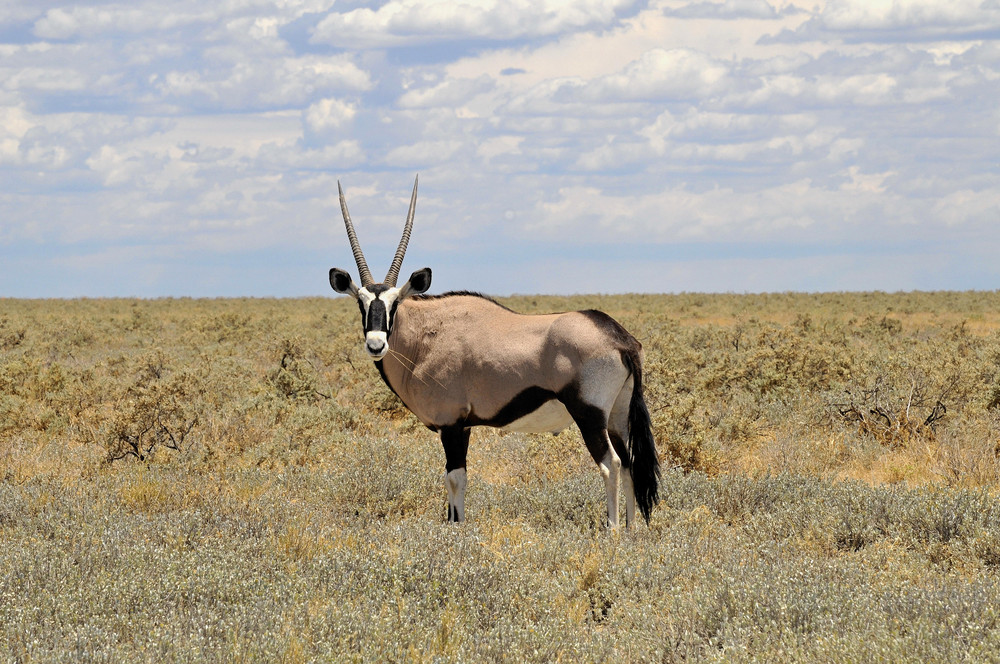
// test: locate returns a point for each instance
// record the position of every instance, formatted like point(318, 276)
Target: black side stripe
point(525, 403)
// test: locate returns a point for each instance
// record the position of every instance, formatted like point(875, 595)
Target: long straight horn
point(397, 261)
point(359, 258)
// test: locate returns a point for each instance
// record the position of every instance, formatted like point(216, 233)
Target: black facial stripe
point(377, 319)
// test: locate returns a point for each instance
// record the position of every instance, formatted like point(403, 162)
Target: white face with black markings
point(378, 304)
point(378, 311)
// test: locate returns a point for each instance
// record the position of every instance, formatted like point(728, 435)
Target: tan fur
point(482, 356)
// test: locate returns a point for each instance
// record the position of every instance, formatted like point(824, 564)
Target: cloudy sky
point(152, 148)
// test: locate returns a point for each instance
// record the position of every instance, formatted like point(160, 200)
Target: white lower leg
point(455, 481)
point(629, 492)
point(611, 471)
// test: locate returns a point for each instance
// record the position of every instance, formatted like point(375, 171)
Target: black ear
point(342, 282)
point(418, 282)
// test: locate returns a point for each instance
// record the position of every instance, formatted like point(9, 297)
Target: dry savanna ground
point(228, 480)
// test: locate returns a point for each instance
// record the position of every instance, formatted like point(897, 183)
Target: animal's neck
point(398, 366)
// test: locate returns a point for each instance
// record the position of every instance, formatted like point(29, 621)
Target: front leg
point(455, 440)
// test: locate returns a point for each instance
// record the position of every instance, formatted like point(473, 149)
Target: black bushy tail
point(645, 463)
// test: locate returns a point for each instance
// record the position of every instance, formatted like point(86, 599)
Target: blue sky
point(193, 149)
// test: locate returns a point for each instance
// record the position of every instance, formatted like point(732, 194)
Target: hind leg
point(611, 472)
point(618, 431)
point(626, 477)
point(629, 498)
point(593, 426)
point(610, 466)
point(456, 446)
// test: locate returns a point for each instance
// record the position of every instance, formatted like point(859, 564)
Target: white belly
point(551, 417)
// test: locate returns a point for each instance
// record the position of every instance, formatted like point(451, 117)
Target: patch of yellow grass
point(509, 541)
point(149, 492)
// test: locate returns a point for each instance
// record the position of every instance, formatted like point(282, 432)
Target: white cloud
point(452, 92)
point(328, 114)
point(119, 167)
point(14, 124)
point(663, 74)
point(68, 22)
point(868, 183)
point(278, 157)
point(657, 76)
point(900, 21)
point(969, 207)
point(683, 215)
point(412, 22)
point(899, 14)
point(860, 89)
point(499, 146)
point(274, 83)
point(424, 153)
point(726, 9)
point(794, 212)
point(891, 77)
point(53, 70)
point(710, 127)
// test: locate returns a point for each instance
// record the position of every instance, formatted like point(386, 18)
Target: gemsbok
point(460, 360)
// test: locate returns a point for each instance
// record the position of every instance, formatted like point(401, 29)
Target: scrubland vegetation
point(229, 480)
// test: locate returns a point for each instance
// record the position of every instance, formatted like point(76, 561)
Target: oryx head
point(378, 302)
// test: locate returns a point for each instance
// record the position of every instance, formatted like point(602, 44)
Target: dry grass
point(228, 480)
